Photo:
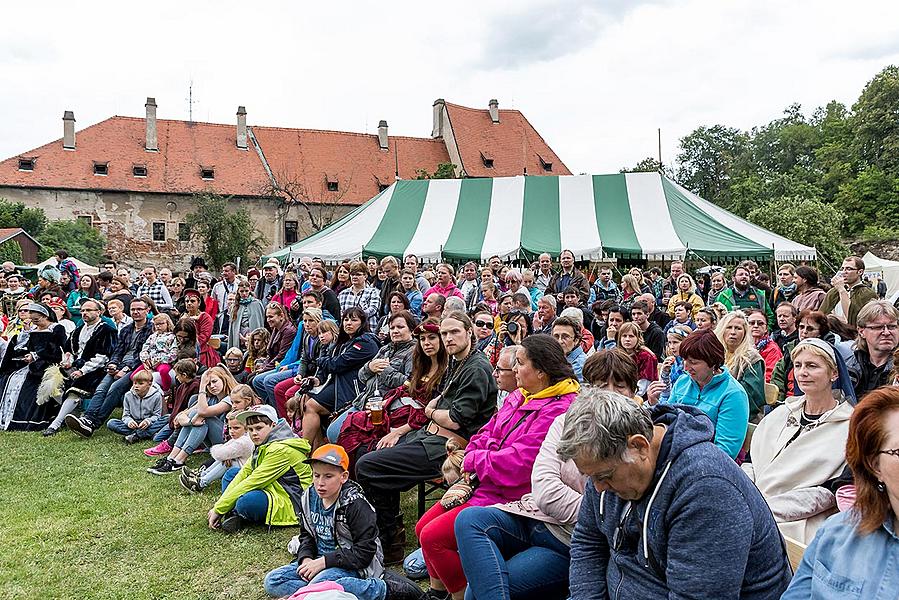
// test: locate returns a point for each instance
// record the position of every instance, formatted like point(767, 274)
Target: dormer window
point(26, 164)
point(546, 164)
point(331, 182)
point(382, 187)
point(487, 159)
point(207, 173)
point(101, 168)
point(139, 170)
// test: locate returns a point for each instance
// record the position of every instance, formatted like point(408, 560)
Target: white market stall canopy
point(887, 269)
point(625, 215)
point(83, 267)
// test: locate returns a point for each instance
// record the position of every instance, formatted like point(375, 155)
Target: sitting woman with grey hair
point(666, 514)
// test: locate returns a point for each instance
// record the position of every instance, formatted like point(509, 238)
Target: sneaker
point(159, 449)
point(158, 464)
point(131, 438)
point(433, 594)
point(190, 481)
point(165, 467)
point(49, 431)
point(232, 522)
point(80, 425)
point(401, 588)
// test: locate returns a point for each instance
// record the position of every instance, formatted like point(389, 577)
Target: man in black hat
point(197, 266)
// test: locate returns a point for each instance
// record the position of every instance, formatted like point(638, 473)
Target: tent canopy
point(625, 215)
point(83, 267)
point(887, 269)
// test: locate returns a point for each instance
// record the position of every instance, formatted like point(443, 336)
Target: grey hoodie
point(136, 409)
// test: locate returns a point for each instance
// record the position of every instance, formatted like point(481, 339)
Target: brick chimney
point(68, 130)
point(151, 145)
point(382, 135)
point(439, 105)
point(242, 127)
point(493, 107)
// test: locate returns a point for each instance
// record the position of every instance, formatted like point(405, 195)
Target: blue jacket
point(725, 402)
point(576, 359)
point(841, 564)
point(701, 530)
point(341, 371)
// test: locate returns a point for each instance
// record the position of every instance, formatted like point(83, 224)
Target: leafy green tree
point(807, 221)
point(875, 122)
point(75, 237)
point(709, 157)
point(868, 199)
point(11, 250)
point(15, 214)
point(647, 165)
point(443, 171)
point(226, 235)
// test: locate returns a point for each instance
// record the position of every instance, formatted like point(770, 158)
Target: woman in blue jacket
point(712, 389)
point(338, 373)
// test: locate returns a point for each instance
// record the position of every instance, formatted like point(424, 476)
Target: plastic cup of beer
point(376, 408)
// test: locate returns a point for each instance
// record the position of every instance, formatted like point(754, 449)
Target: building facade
point(135, 178)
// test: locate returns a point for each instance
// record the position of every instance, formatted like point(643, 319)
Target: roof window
point(139, 170)
point(487, 159)
point(26, 164)
point(101, 168)
point(207, 173)
point(546, 164)
point(331, 181)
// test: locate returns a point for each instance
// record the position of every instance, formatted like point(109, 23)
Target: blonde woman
point(686, 292)
point(741, 358)
point(797, 449)
point(630, 291)
point(629, 338)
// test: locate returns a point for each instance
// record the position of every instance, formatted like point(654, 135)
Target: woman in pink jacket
point(445, 285)
point(500, 457)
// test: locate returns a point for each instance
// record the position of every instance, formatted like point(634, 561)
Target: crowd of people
point(641, 435)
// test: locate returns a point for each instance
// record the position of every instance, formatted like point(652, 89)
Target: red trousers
point(438, 544)
point(284, 390)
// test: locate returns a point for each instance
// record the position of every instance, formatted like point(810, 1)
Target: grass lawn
point(82, 519)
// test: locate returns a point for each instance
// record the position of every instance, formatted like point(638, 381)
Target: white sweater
point(237, 450)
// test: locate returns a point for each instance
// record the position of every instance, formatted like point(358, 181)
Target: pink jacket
point(446, 292)
point(503, 452)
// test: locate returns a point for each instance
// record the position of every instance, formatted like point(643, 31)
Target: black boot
point(401, 588)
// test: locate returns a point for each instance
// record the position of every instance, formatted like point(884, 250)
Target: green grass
point(82, 519)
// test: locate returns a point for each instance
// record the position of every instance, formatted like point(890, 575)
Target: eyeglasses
point(849, 269)
point(807, 328)
point(757, 323)
point(499, 369)
point(891, 452)
point(618, 535)
point(888, 327)
point(563, 336)
point(483, 324)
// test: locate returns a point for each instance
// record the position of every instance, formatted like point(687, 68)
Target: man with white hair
point(270, 282)
point(659, 317)
point(646, 528)
point(504, 375)
point(453, 303)
point(544, 272)
point(545, 315)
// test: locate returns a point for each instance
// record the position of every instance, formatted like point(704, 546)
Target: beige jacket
point(556, 488)
point(790, 476)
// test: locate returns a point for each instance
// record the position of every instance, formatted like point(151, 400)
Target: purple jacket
point(503, 452)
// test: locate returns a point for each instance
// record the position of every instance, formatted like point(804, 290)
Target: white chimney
point(152, 145)
point(437, 130)
point(68, 130)
point(494, 110)
point(382, 134)
point(242, 127)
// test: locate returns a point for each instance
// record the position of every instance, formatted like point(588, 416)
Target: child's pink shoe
point(159, 449)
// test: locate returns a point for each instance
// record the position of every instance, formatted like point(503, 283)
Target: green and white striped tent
point(628, 216)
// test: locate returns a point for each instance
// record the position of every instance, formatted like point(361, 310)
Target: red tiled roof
point(513, 143)
point(313, 157)
point(175, 168)
point(11, 232)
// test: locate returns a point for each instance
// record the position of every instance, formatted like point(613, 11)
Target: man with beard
point(742, 295)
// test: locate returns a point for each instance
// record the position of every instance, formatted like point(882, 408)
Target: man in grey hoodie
point(141, 410)
point(666, 513)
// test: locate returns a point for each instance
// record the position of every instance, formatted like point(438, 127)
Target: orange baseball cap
point(331, 454)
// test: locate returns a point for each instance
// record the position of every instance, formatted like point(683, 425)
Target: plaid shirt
point(369, 300)
point(157, 293)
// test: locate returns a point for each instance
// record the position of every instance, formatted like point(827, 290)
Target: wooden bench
point(771, 394)
point(795, 550)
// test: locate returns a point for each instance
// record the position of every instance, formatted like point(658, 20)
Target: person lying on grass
point(233, 453)
point(270, 485)
point(203, 420)
point(338, 540)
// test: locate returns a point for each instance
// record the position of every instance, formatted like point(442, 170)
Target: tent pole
point(773, 263)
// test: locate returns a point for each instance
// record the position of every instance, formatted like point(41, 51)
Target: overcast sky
point(595, 78)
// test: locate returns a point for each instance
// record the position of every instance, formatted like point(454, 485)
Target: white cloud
point(595, 78)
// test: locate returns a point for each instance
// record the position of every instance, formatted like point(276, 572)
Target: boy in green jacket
point(269, 487)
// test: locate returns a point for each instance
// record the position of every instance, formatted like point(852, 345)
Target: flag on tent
point(625, 215)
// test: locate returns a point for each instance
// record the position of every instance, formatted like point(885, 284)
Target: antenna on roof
point(190, 101)
point(396, 161)
point(660, 149)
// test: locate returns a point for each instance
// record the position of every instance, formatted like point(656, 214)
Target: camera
point(512, 327)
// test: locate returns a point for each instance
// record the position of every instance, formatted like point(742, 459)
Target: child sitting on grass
point(269, 485)
point(187, 386)
point(339, 538)
point(141, 410)
point(233, 453)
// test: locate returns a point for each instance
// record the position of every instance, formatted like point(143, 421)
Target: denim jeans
point(191, 436)
point(334, 428)
point(264, 384)
point(107, 398)
point(213, 472)
point(284, 581)
point(118, 426)
point(164, 433)
point(252, 506)
point(507, 556)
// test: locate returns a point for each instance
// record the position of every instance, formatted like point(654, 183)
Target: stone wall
point(888, 249)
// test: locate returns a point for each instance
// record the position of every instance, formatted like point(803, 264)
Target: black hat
point(198, 262)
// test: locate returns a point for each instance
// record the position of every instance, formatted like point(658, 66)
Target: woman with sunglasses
point(339, 373)
point(796, 449)
point(858, 549)
point(487, 340)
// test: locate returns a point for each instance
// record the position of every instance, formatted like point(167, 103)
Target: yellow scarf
point(566, 386)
